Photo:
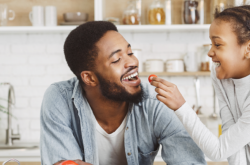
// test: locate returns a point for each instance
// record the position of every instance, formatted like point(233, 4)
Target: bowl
point(75, 17)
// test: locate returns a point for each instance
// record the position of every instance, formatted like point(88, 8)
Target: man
point(106, 116)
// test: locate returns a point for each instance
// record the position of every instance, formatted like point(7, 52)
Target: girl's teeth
point(217, 64)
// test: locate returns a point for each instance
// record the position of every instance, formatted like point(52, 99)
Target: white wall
point(31, 62)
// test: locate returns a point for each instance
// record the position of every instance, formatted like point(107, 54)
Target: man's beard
point(118, 93)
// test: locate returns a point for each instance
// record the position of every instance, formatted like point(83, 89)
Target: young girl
point(230, 52)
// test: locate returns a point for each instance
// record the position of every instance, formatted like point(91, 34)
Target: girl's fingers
point(157, 79)
point(161, 98)
point(161, 86)
point(162, 92)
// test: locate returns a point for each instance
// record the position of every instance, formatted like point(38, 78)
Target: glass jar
point(156, 13)
point(168, 12)
point(241, 2)
point(206, 61)
point(131, 15)
point(220, 5)
point(193, 12)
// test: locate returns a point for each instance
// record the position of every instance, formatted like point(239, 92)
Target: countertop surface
point(33, 155)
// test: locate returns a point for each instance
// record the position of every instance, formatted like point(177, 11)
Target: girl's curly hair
point(239, 17)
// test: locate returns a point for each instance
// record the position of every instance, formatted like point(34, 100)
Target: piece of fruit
point(152, 75)
point(69, 162)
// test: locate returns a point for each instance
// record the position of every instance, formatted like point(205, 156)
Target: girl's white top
point(234, 102)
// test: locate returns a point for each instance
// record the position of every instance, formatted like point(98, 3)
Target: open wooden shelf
point(121, 28)
point(145, 74)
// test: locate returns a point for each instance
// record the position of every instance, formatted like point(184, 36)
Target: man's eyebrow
point(114, 52)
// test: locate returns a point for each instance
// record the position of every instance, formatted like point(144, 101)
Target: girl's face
point(226, 53)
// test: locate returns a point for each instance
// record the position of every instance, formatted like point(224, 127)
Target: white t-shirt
point(111, 150)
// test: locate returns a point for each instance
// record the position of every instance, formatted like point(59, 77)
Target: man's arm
point(177, 146)
point(57, 141)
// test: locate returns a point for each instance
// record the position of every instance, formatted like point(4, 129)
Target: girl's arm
point(234, 139)
point(230, 142)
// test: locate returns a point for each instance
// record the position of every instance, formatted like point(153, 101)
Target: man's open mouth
point(131, 77)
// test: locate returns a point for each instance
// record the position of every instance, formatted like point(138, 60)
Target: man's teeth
point(217, 64)
point(130, 76)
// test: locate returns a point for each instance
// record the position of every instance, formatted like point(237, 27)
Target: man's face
point(117, 69)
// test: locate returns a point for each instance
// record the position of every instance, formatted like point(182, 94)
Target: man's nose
point(131, 61)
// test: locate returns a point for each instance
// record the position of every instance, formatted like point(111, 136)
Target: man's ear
point(89, 78)
point(247, 50)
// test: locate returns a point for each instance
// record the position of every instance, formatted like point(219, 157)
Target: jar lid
point(207, 45)
point(175, 60)
point(154, 60)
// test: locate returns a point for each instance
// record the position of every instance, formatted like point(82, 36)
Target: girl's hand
point(168, 93)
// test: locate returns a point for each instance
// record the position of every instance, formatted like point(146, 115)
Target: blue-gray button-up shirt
point(150, 124)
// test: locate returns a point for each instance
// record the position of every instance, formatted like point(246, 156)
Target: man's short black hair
point(80, 49)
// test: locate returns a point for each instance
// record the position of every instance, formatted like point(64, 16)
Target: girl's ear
point(247, 51)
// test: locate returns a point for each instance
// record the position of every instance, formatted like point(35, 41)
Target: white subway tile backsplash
point(3, 122)
point(207, 91)
point(16, 81)
point(45, 80)
point(18, 38)
point(35, 48)
point(209, 102)
point(31, 62)
point(44, 38)
point(23, 70)
point(18, 48)
point(36, 102)
point(206, 37)
point(168, 48)
point(5, 38)
point(55, 48)
point(20, 113)
point(22, 102)
point(35, 113)
point(58, 70)
point(186, 37)
point(183, 81)
point(30, 91)
point(35, 124)
point(13, 59)
point(4, 49)
point(35, 135)
point(191, 91)
point(45, 59)
point(5, 70)
point(150, 37)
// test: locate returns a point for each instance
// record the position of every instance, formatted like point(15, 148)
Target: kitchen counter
point(32, 157)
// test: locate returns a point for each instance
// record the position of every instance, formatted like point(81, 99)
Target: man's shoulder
point(62, 89)
point(66, 85)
